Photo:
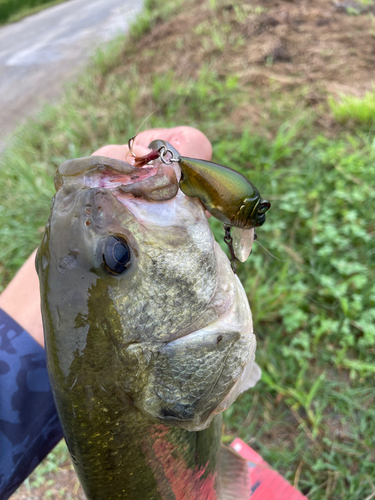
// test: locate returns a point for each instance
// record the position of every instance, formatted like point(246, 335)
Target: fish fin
point(233, 477)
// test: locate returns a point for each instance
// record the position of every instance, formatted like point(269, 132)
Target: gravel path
point(41, 52)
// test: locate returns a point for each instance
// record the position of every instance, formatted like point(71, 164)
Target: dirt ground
point(311, 47)
point(56, 486)
point(297, 42)
point(321, 46)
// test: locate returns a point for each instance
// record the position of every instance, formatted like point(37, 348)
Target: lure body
point(225, 193)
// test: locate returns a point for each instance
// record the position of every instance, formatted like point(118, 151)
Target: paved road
point(41, 52)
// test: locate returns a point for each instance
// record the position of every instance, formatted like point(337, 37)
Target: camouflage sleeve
point(29, 427)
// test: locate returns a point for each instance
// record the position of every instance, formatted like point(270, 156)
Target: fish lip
point(216, 323)
point(156, 182)
point(79, 166)
point(229, 320)
point(101, 171)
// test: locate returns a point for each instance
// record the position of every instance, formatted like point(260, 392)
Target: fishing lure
point(225, 193)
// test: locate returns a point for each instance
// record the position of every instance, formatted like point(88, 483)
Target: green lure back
point(225, 193)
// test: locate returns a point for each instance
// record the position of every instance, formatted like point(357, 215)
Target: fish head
point(138, 299)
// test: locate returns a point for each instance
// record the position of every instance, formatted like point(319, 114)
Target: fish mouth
point(154, 183)
point(228, 306)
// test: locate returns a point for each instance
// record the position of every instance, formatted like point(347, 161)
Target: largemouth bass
point(148, 334)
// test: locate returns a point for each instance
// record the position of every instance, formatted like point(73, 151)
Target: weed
point(358, 110)
point(153, 12)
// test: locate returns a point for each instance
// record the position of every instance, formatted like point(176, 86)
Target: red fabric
point(266, 483)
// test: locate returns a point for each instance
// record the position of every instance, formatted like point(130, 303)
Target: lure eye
point(116, 255)
point(263, 207)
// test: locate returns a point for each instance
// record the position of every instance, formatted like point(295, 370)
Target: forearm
point(21, 300)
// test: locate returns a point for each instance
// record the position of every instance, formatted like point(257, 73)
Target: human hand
point(187, 140)
point(21, 298)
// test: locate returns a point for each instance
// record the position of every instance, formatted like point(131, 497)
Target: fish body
point(148, 334)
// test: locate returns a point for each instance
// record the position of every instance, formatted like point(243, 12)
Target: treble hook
point(131, 144)
point(229, 241)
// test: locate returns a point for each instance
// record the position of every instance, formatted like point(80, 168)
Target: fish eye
point(263, 207)
point(116, 255)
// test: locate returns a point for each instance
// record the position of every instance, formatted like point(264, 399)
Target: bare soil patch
point(62, 484)
point(305, 48)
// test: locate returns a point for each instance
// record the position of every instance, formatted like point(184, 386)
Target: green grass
point(312, 416)
point(153, 12)
point(358, 111)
